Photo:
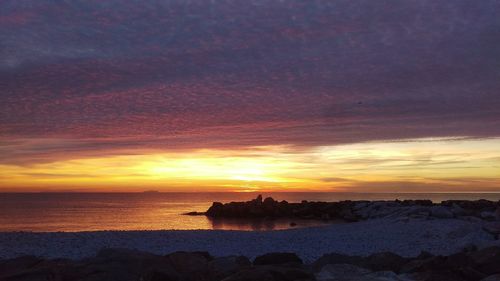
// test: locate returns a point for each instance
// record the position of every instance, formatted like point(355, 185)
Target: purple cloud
point(175, 75)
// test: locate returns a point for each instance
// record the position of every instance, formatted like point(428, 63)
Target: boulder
point(488, 215)
point(349, 272)
point(191, 265)
point(457, 210)
point(385, 261)
point(39, 274)
point(472, 219)
point(435, 263)
point(117, 264)
point(470, 273)
point(335, 258)
point(272, 273)
point(269, 206)
point(495, 277)
point(417, 202)
point(437, 275)
point(469, 247)
point(487, 260)
point(341, 272)
point(226, 266)
point(360, 205)
point(216, 210)
point(278, 258)
point(127, 264)
point(441, 212)
point(9, 267)
point(163, 274)
point(29, 268)
point(493, 228)
point(424, 255)
point(419, 213)
point(347, 214)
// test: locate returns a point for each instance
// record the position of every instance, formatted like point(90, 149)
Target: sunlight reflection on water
point(158, 211)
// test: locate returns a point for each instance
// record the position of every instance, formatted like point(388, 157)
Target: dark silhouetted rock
point(342, 271)
point(495, 277)
point(458, 260)
point(9, 267)
point(272, 273)
point(216, 210)
point(488, 215)
point(225, 266)
point(443, 275)
point(487, 260)
point(385, 261)
point(493, 228)
point(335, 258)
point(30, 269)
point(277, 258)
point(191, 265)
point(435, 263)
point(424, 255)
point(117, 264)
point(195, 214)
point(470, 273)
point(161, 274)
point(353, 211)
point(441, 212)
point(133, 265)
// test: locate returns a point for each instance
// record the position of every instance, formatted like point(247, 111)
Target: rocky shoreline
point(384, 240)
point(353, 211)
point(125, 264)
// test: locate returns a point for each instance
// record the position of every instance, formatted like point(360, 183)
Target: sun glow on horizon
point(426, 165)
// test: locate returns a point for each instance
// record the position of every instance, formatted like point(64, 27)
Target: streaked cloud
point(419, 166)
point(87, 79)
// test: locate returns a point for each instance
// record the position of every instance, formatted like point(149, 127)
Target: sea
point(74, 212)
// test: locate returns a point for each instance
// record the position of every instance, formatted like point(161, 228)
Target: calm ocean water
point(156, 211)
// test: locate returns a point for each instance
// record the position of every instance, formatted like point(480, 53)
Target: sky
point(199, 95)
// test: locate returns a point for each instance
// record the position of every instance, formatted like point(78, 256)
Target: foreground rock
point(483, 264)
point(124, 264)
point(356, 210)
point(278, 259)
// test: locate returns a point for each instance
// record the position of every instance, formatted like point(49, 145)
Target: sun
point(250, 174)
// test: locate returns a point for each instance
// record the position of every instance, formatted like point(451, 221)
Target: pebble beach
point(406, 238)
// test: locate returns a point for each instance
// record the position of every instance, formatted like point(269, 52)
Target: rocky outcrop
point(467, 266)
point(124, 264)
point(271, 208)
point(483, 210)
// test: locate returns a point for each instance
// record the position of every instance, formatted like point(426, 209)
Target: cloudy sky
point(247, 95)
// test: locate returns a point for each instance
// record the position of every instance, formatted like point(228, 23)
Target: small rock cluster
point(131, 265)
